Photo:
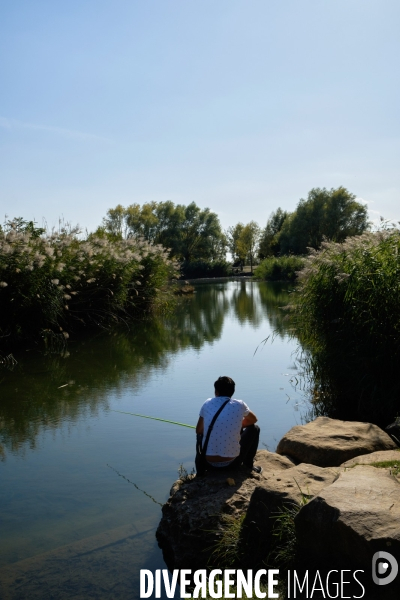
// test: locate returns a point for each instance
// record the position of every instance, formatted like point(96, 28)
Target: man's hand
point(249, 419)
point(200, 425)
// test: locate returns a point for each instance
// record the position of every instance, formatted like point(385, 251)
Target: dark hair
point(225, 386)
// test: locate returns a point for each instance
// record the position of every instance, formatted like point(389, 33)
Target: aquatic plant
point(53, 283)
point(346, 313)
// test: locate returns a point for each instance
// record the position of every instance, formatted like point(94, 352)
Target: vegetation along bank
point(55, 283)
point(346, 314)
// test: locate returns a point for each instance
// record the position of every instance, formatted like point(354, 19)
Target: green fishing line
point(154, 418)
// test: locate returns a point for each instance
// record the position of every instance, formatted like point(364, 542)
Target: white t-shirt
point(225, 436)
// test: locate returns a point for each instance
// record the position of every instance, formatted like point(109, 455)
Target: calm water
point(72, 525)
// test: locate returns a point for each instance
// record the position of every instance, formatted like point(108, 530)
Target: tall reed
point(51, 283)
point(346, 313)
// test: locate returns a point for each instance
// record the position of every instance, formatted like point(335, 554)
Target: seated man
point(234, 438)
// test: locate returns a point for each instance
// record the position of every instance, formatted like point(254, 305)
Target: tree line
point(194, 234)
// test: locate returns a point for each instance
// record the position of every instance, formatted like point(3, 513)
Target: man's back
point(234, 437)
point(225, 436)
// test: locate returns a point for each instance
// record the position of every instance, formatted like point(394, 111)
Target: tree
point(344, 216)
point(326, 214)
point(269, 240)
point(248, 241)
point(142, 221)
point(189, 232)
point(232, 236)
point(198, 229)
point(115, 222)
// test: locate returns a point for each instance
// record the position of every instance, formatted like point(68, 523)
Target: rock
point(350, 520)
point(374, 457)
point(293, 486)
point(328, 442)
point(192, 515)
point(346, 514)
point(271, 461)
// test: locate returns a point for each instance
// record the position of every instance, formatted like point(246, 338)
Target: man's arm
point(249, 419)
point(200, 425)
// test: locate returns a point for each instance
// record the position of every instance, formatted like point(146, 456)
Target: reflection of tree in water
point(246, 303)
point(43, 392)
point(204, 315)
point(253, 302)
point(274, 296)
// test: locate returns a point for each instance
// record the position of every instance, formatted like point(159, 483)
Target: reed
point(346, 313)
point(52, 283)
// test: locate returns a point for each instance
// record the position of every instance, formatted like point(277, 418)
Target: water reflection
point(274, 298)
point(245, 304)
point(44, 391)
point(78, 479)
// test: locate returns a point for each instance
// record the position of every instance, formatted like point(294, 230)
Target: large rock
point(292, 487)
point(350, 520)
point(329, 443)
point(374, 457)
point(192, 515)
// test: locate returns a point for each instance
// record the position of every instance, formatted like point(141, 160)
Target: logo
point(384, 568)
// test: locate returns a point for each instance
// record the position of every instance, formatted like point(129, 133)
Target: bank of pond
point(344, 310)
point(80, 479)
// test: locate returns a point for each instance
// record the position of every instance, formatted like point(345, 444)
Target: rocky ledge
point(341, 477)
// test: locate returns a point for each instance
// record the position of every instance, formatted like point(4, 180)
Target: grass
point(346, 314)
point(284, 551)
point(393, 465)
point(227, 550)
point(184, 476)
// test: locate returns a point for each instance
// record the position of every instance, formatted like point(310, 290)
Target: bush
point(279, 268)
point(50, 283)
point(346, 312)
point(205, 268)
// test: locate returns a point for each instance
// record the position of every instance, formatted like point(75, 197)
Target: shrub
point(52, 282)
point(279, 268)
point(205, 268)
point(346, 312)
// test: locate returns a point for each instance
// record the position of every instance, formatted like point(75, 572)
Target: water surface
point(75, 521)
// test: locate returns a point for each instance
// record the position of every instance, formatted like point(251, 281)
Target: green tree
point(232, 236)
point(326, 214)
point(269, 240)
point(115, 222)
point(198, 230)
point(142, 221)
point(189, 232)
point(248, 241)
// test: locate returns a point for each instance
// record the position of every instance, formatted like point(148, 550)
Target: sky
point(241, 106)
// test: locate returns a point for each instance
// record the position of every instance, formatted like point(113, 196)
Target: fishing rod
point(154, 418)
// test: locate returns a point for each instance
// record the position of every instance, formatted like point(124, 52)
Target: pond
point(81, 484)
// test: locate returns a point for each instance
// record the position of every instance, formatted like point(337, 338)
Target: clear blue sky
point(238, 105)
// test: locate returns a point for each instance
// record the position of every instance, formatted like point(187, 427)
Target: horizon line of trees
point(194, 234)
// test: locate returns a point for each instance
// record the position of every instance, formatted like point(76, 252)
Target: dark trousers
point(248, 447)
